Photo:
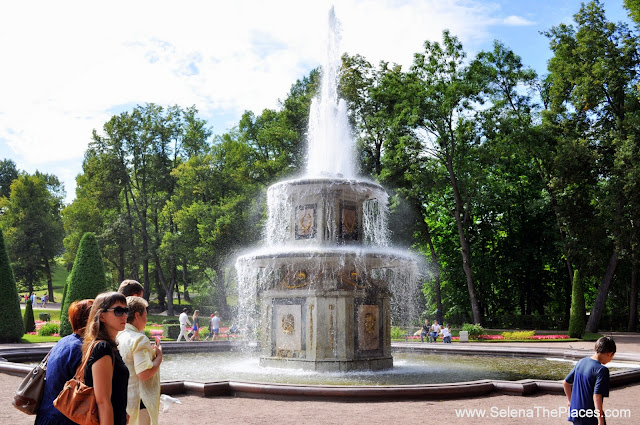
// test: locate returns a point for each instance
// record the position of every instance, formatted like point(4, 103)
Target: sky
point(68, 66)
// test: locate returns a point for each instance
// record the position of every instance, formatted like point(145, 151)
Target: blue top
point(61, 366)
point(588, 377)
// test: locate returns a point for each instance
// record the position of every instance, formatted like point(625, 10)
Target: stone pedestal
point(326, 330)
point(464, 336)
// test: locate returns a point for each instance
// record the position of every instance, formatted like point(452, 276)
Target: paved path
point(499, 409)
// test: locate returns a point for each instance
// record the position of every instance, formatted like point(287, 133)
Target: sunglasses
point(119, 311)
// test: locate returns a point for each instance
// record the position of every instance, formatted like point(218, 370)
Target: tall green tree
point(8, 173)
point(439, 96)
point(87, 278)
point(593, 88)
point(11, 325)
point(33, 227)
point(577, 322)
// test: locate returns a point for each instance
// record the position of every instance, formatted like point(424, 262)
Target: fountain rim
point(336, 180)
point(279, 391)
point(327, 252)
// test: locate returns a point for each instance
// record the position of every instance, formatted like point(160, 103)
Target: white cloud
point(67, 66)
point(517, 21)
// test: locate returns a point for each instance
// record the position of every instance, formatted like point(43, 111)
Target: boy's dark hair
point(130, 287)
point(605, 344)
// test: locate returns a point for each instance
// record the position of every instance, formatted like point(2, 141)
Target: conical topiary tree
point(87, 278)
point(577, 320)
point(29, 321)
point(11, 325)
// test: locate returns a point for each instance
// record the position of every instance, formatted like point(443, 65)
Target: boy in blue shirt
point(588, 383)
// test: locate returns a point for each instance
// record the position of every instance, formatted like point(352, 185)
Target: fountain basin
point(239, 388)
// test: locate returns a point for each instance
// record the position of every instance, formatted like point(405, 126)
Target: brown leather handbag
point(77, 401)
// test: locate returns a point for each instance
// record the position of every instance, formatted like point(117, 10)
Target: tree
point(11, 324)
point(593, 89)
point(29, 321)
point(8, 173)
point(439, 96)
point(33, 227)
point(87, 278)
point(577, 321)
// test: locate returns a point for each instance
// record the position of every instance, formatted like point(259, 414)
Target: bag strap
point(43, 363)
point(80, 371)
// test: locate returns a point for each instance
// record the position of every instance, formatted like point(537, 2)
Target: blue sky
point(69, 66)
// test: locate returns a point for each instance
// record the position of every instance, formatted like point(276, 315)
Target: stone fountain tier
point(326, 211)
point(326, 309)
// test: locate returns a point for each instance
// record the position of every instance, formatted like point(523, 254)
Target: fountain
point(326, 284)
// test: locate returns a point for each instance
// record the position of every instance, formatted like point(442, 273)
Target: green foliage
point(33, 226)
point(397, 332)
point(518, 334)
point(8, 173)
point(49, 329)
point(171, 330)
point(577, 320)
point(87, 278)
point(473, 329)
point(11, 324)
point(29, 321)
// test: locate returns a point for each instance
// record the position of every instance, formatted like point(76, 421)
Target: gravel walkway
point(498, 409)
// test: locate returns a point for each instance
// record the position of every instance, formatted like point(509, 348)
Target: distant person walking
point(184, 321)
point(196, 326)
point(214, 326)
point(34, 301)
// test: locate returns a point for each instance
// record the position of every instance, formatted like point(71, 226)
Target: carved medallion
point(288, 324)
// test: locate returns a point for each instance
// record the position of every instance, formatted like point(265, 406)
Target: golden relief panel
point(368, 327)
point(287, 329)
point(306, 221)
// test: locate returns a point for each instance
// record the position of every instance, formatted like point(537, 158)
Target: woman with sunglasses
point(105, 371)
point(143, 361)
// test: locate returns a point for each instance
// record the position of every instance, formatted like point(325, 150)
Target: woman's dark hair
point(79, 314)
point(95, 328)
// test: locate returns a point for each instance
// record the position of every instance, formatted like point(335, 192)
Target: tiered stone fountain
point(325, 277)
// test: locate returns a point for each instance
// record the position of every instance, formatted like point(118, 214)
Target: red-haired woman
point(62, 364)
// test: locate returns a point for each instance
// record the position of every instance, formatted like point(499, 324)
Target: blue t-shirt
point(61, 366)
point(588, 377)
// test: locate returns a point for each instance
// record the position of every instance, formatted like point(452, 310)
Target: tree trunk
point(603, 292)
point(221, 292)
point(132, 246)
point(438, 289)
point(47, 269)
point(633, 302)
point(168, 287)
point(465, 248)
point(185, 280)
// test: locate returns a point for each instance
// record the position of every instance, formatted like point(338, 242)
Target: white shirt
point(137, 354)
point(184, 319)
point(215, 322)
point(445, 332)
